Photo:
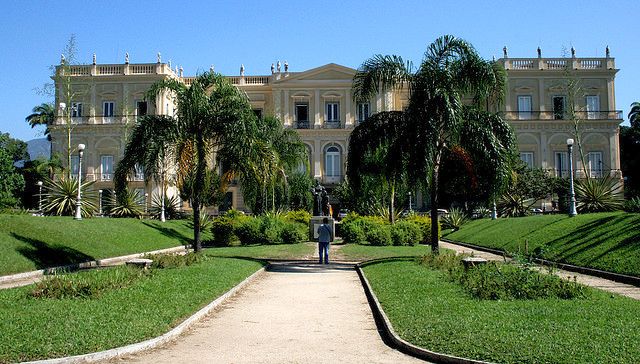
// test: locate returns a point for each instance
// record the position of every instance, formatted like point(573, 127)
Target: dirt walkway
point(596, 282)
point(295, 313)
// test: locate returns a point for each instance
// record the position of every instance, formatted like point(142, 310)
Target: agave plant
point(599, 194)
point(125, 204)
point(455, 219)
point(171, 206)
point(61, 197)
point(206, 222)
point(632, 205)
point(513, 204)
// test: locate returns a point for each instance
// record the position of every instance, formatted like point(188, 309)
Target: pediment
point(330, 71)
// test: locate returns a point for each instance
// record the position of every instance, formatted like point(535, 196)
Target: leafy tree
point(212, 114)
point(11, 181)
point(437, 119)
point(630, 151)
point(300, 197)
point(43, 114)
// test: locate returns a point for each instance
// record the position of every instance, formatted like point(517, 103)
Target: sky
point(307, 34)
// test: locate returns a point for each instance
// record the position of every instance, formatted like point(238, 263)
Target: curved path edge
point(14, 280)
point(394, 340)
point(616, 277)
point(157, 341)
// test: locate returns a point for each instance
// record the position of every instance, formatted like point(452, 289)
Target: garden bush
point(294, 233)
point(379, 235)
point(249, 231)
point(632, 205)
point(272, 227)
point(299, 216)
point(352, 232)
point(424, 222)
point(223, 231)
point(162, 261)
point(406, 233)
point(454, 220)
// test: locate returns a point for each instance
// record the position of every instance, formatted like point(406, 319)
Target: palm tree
point(634, 114)
point(43, 114)
point(437, 119)
point(211, 114)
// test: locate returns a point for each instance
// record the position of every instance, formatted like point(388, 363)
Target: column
point(92, 107)
point(317, 159)
point(348, 122)
point(614, 149)
point(317, 119)
point(544, 151)
point(277, 107)
point(287, 115)
point(541, 96)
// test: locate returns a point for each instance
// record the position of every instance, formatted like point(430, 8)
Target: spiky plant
point(171, 206)
point(206, 222)
point(126, 204)
point(513, 204)
point(632, 205)
point(599, 194)
point(455, 219)
point(61, 197)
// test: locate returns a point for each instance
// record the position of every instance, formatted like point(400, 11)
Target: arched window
point(332, 162)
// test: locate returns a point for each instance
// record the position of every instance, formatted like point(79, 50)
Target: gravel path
point(294, 313)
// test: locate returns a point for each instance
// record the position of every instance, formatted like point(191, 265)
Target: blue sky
point(305, 33)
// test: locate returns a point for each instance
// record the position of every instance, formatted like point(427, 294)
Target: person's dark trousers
point(323, 248)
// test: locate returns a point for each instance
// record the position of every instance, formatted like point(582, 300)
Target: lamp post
point(79, 201)
point(572, 195)
point(146, 204)
point(100, 202)
point(410, 206)
point(494, 210)
point(39, 183)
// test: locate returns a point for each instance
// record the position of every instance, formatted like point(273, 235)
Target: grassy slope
point(29, 243)
point(284, 251)
point(431, 312)
point(359, 252)
point(45, 328)
point(607, 241)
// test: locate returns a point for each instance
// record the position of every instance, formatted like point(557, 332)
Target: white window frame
point(332, 111)
point(138, 172)
point(527, 158)
point(106, 168)
point(593, 106)
point(108, 111)
point(525, 103)
point(594, 159)
point(561, 163)
point(363, 111)
point(332, 162)
point(138, 102)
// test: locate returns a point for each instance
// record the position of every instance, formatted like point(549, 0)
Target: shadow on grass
point(170, 233)
point(46, 256)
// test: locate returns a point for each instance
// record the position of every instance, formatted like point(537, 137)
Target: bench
point(140, 262)
point(471, 262)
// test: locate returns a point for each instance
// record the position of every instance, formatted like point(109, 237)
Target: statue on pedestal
point(320, 197)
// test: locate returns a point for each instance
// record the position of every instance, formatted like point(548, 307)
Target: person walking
point(325, 236)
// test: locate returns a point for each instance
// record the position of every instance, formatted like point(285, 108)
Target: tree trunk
point(435, 247)
point(198, 186)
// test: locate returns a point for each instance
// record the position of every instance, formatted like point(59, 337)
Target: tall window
point(562, 164)
point(302, 115)
point(332, 162)
point(524, 107)
point(141, 108)
point(595, 164)
point(258, 113)
point(363, 111)
point(333, 111)
point(559, 107)
point(106, 167)
point(76, 109)
point(593, 106)
point(75, 162)
point(107, 111)
point(527, 158)
point(138, 172)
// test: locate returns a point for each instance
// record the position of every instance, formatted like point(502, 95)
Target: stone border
point(616, 277)
point(21, 277)
point(392, 339)
point(157, 341)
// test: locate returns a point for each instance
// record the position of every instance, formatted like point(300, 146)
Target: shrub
point(599, 194)
point(379, 235)
point(294, 233)
point(272, 227)
point(632, 205)
point(406, 233)
point(454, 220)
point(126, 204)
point(171, 207)
point(206, 221)
point(86, 284)
point(352, 232)
point(249, 231)
point(424, 222)
point(162, 261)
point(300, 216)
point(223, 231)
point(61, 197)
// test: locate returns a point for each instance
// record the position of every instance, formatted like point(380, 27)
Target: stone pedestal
point(315, 222)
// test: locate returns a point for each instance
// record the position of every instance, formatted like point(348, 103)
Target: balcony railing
point(558, 64)
point(302, 124)
point(332, 124)
point(106, 176)
point(555, 115)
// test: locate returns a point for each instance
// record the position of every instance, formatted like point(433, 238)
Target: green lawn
point(357, 252)
point(607, 241)
point(283, 251)
point(29, 242)
point(45, 328)
point(431, 312)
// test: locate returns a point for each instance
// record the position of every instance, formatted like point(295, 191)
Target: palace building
point(105, 99)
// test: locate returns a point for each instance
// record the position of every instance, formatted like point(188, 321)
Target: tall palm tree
point(211, 114)
point(634, 114)
point(436, 118)
point(43, 114)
